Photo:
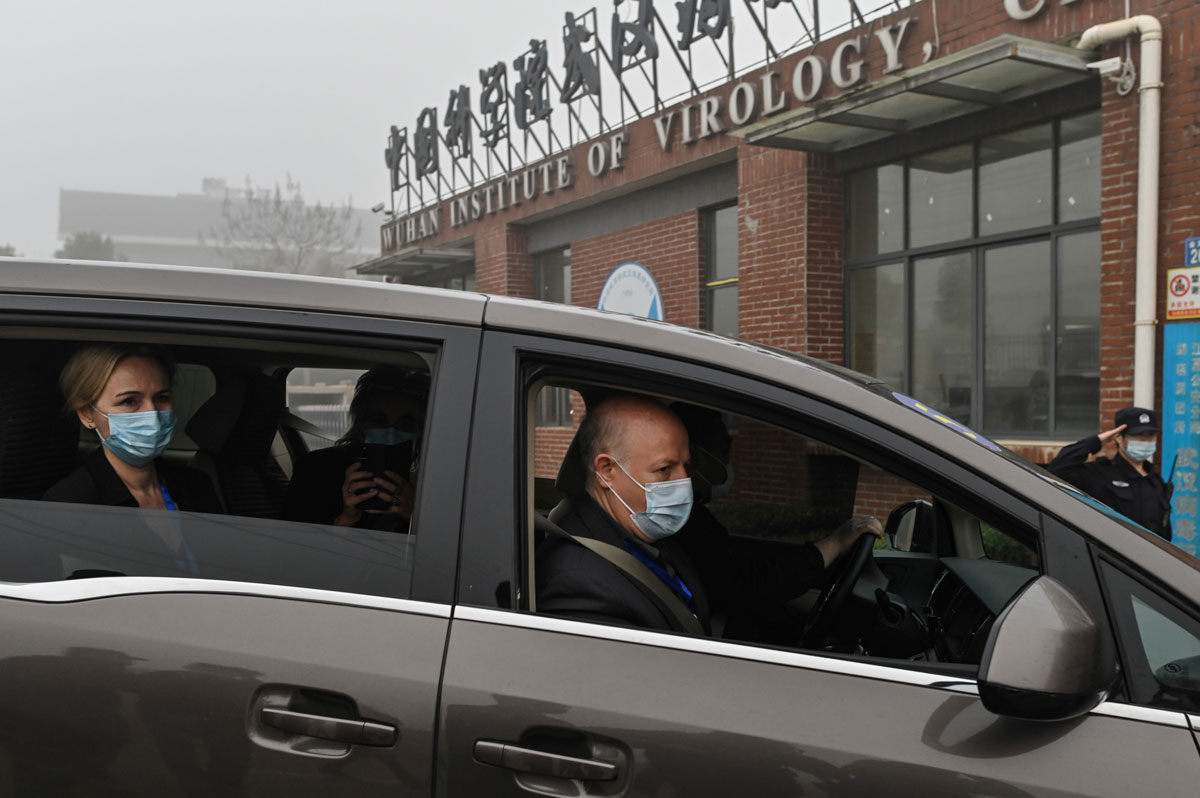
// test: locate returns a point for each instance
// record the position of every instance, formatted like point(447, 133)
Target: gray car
point(1011, 636)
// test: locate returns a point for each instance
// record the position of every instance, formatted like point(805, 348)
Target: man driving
point(638, 495)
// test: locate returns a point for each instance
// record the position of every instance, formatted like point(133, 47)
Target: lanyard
point(185, 560)
point(672, 580)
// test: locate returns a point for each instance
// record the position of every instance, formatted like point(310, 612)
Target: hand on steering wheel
point(838, 589)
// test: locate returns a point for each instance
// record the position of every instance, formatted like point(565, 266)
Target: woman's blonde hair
point(87, 372)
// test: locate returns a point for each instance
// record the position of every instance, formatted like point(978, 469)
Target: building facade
point(944, 197)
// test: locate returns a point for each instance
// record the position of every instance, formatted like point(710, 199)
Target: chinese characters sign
point(1183, 294)
point(1181, 428)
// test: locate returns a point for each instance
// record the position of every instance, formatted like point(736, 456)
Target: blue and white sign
point(1191, 252)
point(630, 289)
point(1181, 428)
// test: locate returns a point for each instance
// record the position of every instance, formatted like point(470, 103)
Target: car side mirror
point(909, 527)
point(1045, 657)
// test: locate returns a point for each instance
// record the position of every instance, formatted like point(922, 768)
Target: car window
point(232, 512)
point(1160, 643)
point(766, 488)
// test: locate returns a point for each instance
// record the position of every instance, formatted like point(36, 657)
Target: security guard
point(1129, 483)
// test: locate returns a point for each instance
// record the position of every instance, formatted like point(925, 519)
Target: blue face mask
point(138, 438)
point(1141, 450)
point(387, 436)
point(668, 505)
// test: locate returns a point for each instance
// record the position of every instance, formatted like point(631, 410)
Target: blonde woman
point(122, 392)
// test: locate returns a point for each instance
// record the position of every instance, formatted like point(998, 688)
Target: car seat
point(38, 438)
point(234, 431)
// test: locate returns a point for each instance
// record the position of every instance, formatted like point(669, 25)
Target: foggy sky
point(151, 97)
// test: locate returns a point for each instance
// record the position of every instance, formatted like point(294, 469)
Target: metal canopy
point(998, 72)
point(415, 260)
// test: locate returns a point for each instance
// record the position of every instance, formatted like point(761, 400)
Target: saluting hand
point(1107, 437)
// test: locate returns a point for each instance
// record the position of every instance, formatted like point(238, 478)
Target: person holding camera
point(366, 479)
point(1129, 482)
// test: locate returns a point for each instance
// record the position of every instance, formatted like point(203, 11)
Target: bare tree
point(275, 230)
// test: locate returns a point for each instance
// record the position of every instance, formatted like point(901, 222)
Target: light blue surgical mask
point(668, 505)
point(387, 436)
point(138, 438)
point(1141, 450)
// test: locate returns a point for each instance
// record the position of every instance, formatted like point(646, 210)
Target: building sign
point(1183, 294)
point(631, 289)
point(1191, 251)
point(527, 113)
point(1181, 428)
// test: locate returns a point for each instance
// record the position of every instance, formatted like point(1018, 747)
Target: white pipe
point(1145, 318)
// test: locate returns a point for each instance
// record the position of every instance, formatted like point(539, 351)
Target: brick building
point(945, 197)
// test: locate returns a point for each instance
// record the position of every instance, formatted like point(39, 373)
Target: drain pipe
point(1145, 319)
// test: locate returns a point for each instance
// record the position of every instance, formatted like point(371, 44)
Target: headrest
point(241, 418)
point(38, 440)
point(572, 479)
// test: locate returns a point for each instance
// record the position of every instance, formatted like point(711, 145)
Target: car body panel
point(149, 694)
point(686, 722)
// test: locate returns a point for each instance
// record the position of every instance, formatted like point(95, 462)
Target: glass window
point(877, 322)
point(943, 290)
point(721, 283)
point(1015, 180)
point(939, 192)
point(552, 276)
point(1007, 333)
point(876, 208)
point(1077, 337)
point(1079, 168)
point(1017, 328)
point(552, 283)
point(322, 397)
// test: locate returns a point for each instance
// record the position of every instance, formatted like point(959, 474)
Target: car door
point(533, 704)
point(298, 659)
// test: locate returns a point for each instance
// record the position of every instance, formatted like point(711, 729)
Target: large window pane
point(723, 249)
point(1014, 180)
point(876, 222)
point(552, 276)
point(877, 322)
point(1077, 381)
point(1079, 168)
point(942, 341)
point(723, 310)
point(939, 191)
point(1017, 330)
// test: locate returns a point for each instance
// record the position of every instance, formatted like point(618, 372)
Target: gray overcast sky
point(152, 96)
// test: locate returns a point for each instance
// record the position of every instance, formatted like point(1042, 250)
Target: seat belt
point(293, 421)
point(634, 568)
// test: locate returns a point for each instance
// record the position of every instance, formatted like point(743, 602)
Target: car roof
point(856, 393)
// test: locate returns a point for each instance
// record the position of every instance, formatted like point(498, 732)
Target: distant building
point(157, 229)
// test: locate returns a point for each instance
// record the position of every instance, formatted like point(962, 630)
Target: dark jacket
point(95, 482)
point(574, 582)
point(315, 493)
point(1146, 500)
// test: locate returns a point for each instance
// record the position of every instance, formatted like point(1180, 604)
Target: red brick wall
point(670, 248)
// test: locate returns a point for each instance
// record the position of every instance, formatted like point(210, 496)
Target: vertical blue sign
point(1181, 427)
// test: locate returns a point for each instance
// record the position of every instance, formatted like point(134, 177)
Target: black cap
point(1137, 420)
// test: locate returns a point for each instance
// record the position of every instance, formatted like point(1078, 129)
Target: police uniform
point(1114, 481)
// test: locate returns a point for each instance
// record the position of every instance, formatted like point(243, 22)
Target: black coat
point(577, 583)
point(95, 482)
point(1146, 500)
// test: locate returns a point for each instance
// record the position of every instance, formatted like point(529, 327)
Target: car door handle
point(355, 731)
point(530, 760)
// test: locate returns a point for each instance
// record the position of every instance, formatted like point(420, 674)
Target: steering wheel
point(837, 591)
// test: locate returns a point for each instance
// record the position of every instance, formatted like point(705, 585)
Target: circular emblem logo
point(630, 289)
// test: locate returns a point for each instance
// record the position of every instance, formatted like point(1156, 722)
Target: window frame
point(712, 285)
point(454, 348)
point(976, 246)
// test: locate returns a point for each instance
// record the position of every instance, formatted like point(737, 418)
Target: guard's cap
point(1137, 420)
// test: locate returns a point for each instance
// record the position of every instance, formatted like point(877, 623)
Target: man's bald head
point(621, 419)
